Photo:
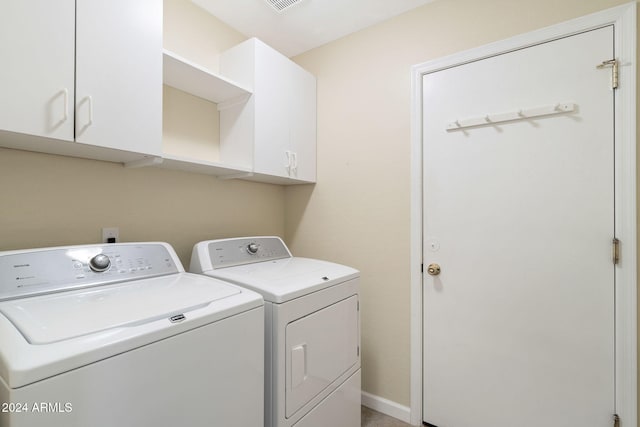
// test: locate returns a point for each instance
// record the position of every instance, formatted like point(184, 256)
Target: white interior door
point(519, 324)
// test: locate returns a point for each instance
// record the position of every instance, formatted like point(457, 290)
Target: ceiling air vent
point(282, 5)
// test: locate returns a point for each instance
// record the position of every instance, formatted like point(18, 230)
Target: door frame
point(624, 20)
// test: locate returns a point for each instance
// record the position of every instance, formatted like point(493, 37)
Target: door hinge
point(616, 420)
point(616, 250)
point(613, 63)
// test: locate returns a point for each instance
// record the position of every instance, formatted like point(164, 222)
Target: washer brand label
point(177, 318)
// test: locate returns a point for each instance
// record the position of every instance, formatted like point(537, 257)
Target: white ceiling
point(308, 23)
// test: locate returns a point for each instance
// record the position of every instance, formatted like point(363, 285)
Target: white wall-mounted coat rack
point(522, 114)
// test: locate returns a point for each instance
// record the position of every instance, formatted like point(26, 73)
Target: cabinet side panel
point(238, 63)
point(237, 134)
point(237, 123)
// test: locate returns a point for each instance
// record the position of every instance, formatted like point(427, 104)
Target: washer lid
point(285, 279)
point(56, 317)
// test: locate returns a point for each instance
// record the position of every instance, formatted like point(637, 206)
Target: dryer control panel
point(41, 271)
point(246, 250)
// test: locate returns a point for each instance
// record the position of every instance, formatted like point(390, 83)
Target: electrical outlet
point(110, 233)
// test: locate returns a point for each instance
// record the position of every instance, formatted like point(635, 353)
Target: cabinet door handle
point(65, 91)
point(90, 110)
point(80, 107)
point(294, 165)
point(289, 155)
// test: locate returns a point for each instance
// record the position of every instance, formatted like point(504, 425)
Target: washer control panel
point(29, 273)
point(246, 250)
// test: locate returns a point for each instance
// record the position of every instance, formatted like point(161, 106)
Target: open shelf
point(198, 81)
point(188, 77)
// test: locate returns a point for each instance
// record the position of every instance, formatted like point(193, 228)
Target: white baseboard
point(386, 406)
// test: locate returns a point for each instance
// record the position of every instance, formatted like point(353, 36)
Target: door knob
point(433, 269)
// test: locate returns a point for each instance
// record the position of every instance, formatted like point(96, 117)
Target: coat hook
point(513, 115)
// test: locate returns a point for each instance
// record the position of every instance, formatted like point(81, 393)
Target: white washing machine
point(119, 335)
point(312, 328)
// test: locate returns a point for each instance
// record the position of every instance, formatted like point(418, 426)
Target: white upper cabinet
point(88, 71)
point(275, 130)
point(37, 72)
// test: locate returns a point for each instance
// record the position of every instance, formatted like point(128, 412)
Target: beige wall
point(53, 200)
point(358, 213)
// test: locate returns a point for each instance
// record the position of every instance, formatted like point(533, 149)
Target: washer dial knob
point(252, 248)
point(99, 263)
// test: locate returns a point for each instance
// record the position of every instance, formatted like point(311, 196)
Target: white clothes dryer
point(312, 328)
point(119, 335)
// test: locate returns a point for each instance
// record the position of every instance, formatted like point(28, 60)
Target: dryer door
point(320, 348)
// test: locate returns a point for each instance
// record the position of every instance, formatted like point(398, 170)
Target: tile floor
point(371, 418)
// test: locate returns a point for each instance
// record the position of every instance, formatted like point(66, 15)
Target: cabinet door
point(36, 75)
point(119, 74)
point(272, 92)
point(303, 124)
